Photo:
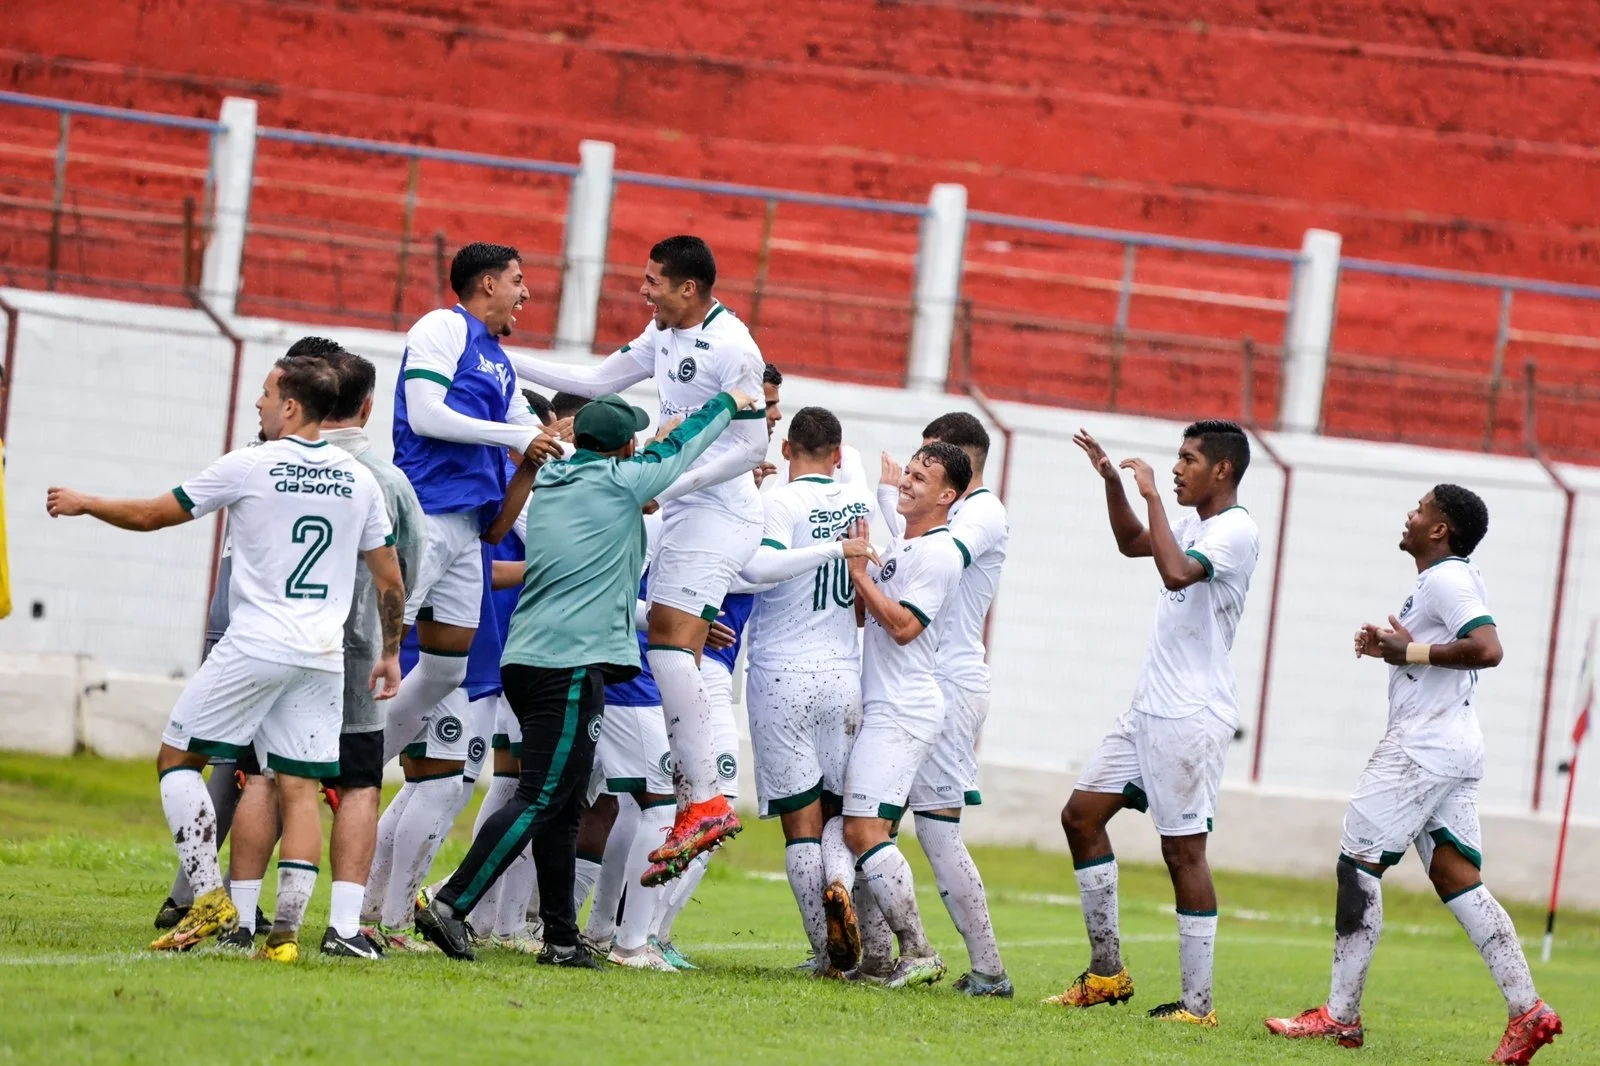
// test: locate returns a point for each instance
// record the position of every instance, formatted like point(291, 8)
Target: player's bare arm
point(385, 567)
point(1133, 540)
point(141, 516)
point(898, 621)
point(1478, 650)
point(517, 490)
point(1178, 571)
point(506, 574)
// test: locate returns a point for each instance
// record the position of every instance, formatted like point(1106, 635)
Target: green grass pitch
point(84, 862)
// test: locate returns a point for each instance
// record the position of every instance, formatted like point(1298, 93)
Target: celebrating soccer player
point(1420, 787)
point(1167, 751)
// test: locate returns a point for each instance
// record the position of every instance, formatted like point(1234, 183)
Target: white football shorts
point(949, 778)
point(801, 726)
point(633, 752)
point(1397, 804)
point(1171, 767)
point(883, 763)
point(700, 551)
point(449, 583)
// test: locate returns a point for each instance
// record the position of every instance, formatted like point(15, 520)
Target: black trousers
point(559, 710)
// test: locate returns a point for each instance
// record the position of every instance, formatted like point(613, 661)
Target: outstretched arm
point(615, 373)
point(751, 436)
point(141, 516)
point(1133, 540)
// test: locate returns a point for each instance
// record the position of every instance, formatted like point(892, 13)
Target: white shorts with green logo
point(1169, 766)
point(632, 752)
point(1398, 804)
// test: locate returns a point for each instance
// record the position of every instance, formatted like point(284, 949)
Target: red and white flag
point(1585, 694)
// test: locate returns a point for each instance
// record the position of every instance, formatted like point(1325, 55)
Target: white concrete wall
point(129, 399)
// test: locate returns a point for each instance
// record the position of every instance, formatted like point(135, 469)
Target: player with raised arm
point(1167, 752)
point(300, 512)
point(456, 413)
point(693, 348)
point(902, 707)
point(803, 688)
point(948, 780)
point(1420, 788)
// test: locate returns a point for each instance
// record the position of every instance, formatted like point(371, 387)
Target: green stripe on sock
point(802, 840)
point(930, 816)
point(1454, 895)
point(1348, 861)
point(584, 856)
point(442, 654)
point(1094, 862)
point(439, 777)
point(664, 801)
point(296, 864)
point(667, 647)
point(175, 769)
point(873, 851)
point(1196, 914)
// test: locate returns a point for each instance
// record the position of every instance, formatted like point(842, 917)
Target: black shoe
point(354, 947)
point(263, 923)
point(573, 955)
point(171, 913)
point(448, 934)
point(237, 939)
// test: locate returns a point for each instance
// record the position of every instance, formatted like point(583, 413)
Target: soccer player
point(902, 707)
point(1420, 787)
point(694, 348)
point(569, 636)
point(948, 780)
point(457, 411)
point(803, 688)
point(354, 792)
point(1167, 751)
point(771, 383)
point(301, 510)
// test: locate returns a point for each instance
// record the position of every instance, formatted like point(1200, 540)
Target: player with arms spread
point(300, 512)
point(1420, 787)
point(693, 348)
point(1167, 752)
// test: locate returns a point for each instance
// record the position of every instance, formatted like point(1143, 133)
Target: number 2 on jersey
point(832, 579)
point(318, 531)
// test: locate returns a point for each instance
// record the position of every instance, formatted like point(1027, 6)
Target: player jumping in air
point(1420, 787)
point(1167, 751)
point(693, 348)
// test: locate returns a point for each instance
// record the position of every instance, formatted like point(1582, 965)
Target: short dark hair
point(957, 467)
point(1465, 513)
point(312, 382)
point(567, 404)
point(1220, 439)
point(685, 258)
point(477, 259)
point(539, 406)
point(771, 375)
point(358, 378)
point(814, 430)
point(318, 346)
point(958, 428)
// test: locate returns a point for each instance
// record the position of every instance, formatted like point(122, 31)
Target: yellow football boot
point(1091, 990)
point(211, 913)
point(1175, 1012)
point(284, 951)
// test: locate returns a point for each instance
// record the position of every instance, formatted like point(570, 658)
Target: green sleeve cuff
point(183, 499)
point(1211, 571)
point(1481, 620)
point(914, 609)
point(388, 542)
point(768, 542)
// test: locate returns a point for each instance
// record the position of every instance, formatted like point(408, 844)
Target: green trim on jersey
point(418, 750)
point(768, 542)
point(966, 556)
point(1235, 507)
point(917, 611)
point(973, 798)
point(388, 542)
point(935, 529)
point(428, 375)
point(1200, 558)
point(1443, 835)
point(630, 785)
point(892, 813)
point(1481, 620)
point(789, 804)
point(217, 749)
point(317, 771)
point(978, 492)
point(709, 613)
point(816, 479)
point(1390, 858)
point(715, 311)
point(1137, 800)
point(307, 443)
point(1447, 559)
point(183, 499)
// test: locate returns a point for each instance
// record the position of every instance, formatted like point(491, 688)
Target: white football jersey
point(921, 574)
point(978, 524)
point(808, 622)
point(299, 514)
point(692, 365)
point(1430, 707)
point(1186, 666)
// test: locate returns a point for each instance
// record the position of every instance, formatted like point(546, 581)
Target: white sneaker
point(521, 941)
point(647, 957)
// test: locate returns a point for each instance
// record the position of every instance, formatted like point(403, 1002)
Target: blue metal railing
point(121, 114)
point(761, 192)
point(1135, 238)
point(1466, 277)
point(415, 151)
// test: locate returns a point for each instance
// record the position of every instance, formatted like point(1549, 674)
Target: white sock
point(1489, 928)
point(246, 896)
point(877, 939)
point(1197, 944)
point(961, 888)
point(417, 835)
point(193, 822)
point(344, 908)
point(688, 713)
point(802, 861)
point(383, 855)
point(429, 682)
point(585, 871)
point(639, 915)
point(670, 904)
point(837, 862)
point(224, 793)
point(296, 880)
point(484, 915)
point(1358, 919)
point(889, 880)
point(515, 886)
point(1097, 890)
point(614, 877)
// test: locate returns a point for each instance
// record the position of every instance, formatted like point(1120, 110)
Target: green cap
point(606, 423)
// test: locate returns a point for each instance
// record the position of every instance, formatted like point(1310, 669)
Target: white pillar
point(233, 161)
point(944, 237)
point(1310, 331)
point(584, 252)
